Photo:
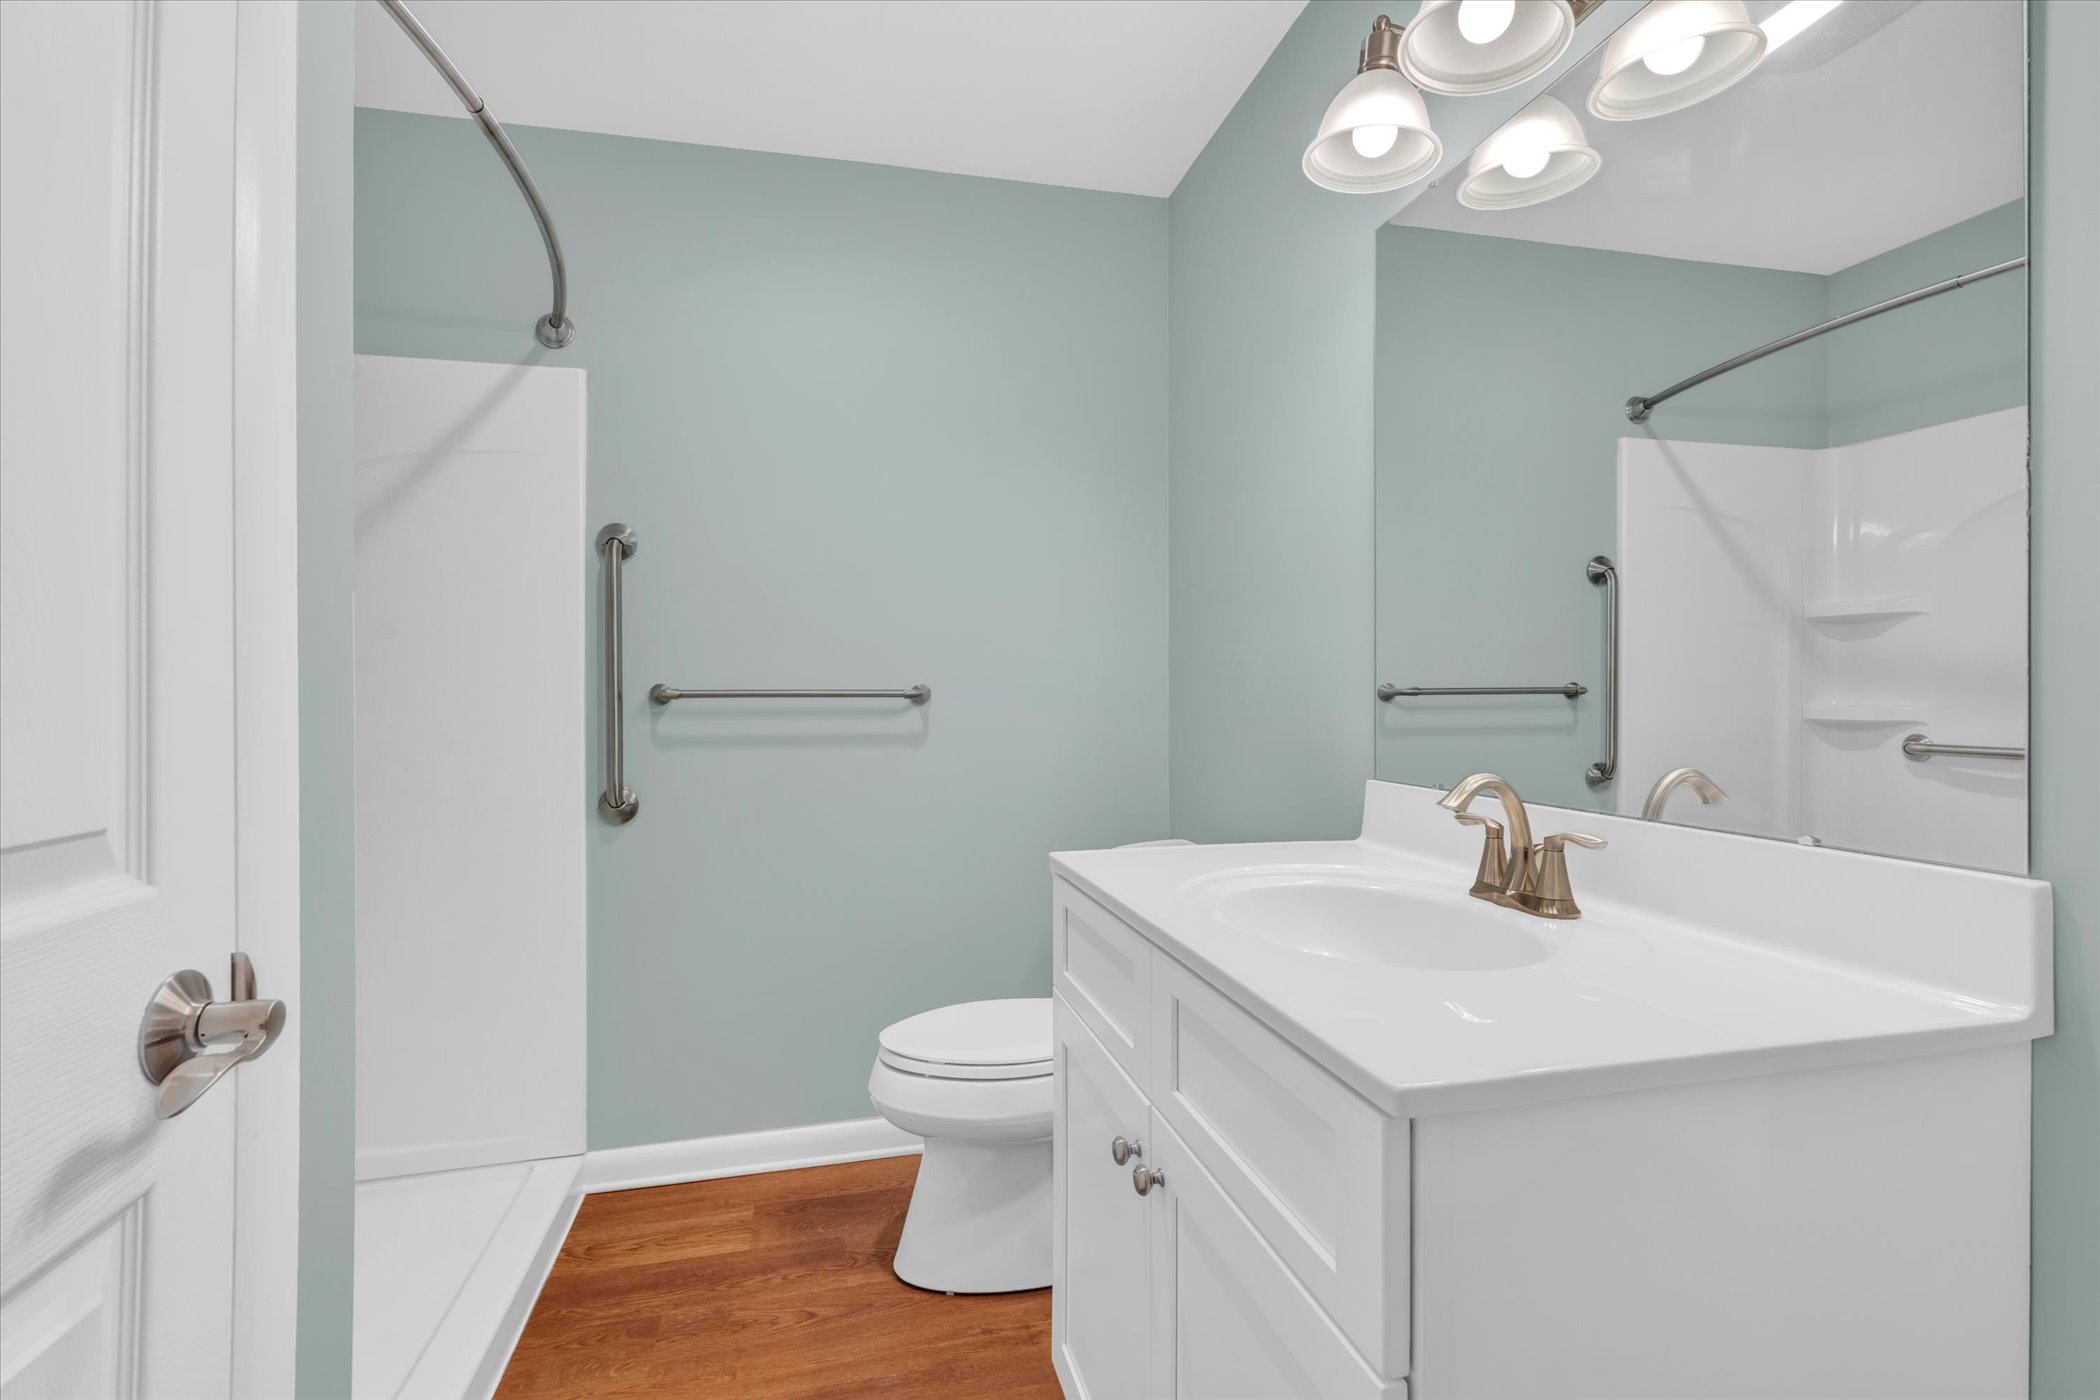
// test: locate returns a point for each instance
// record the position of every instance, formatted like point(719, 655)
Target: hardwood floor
point(757, 1287)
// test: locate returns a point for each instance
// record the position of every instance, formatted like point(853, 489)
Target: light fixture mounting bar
point(1382, 49)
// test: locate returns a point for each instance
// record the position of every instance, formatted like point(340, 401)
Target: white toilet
point(974, 1081)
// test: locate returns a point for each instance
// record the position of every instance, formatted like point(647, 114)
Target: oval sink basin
point(1392, 921)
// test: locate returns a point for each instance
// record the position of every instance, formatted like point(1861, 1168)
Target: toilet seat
point(976, 1040)
point(934, 1069)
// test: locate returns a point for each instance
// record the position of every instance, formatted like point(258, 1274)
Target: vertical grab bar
point(617, 804)
point(1602, 572)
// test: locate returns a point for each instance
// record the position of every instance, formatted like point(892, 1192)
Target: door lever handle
point(182, 1025)
point(187, 1082)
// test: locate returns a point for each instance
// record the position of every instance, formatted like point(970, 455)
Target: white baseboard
point(743, 1154)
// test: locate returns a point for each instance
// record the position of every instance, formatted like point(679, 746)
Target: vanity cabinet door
point(1234, 1322)
point(1101, 1266)
point(1320, 1173)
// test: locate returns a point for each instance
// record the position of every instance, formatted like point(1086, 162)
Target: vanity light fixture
point(1467, 47)
point(1539, 154)
point(1376, 133)
point(1673, 54)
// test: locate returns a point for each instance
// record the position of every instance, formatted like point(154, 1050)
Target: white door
point(144, 253)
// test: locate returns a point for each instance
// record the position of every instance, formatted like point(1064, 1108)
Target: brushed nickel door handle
point(1143, 1179)
point(1123, 1149)
point(183, 1027)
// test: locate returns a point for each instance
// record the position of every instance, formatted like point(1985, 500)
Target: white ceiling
point(1099, 94)
point(1919, 125)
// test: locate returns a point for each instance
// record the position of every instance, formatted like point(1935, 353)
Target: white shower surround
point(1791, 614)
point(471, 558)
point(472, 794)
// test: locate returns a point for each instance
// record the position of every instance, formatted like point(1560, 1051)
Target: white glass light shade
point(1378, 98)
point(1437, 56)
point(1629, 88)
point(1544, 140)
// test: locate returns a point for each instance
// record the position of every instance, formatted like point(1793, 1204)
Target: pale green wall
point(873, 426)
point(327, 951)
point(1955, 356)
point(1271, 327)
point(2064, 192)
point(1497, 472)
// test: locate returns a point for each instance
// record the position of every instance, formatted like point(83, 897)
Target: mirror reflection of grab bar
point(1602, 572)
point(665, 694)
point(1918, 748)
point(1572, 690)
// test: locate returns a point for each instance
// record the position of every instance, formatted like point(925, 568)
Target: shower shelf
point(1867, 712)
point(1863, 609)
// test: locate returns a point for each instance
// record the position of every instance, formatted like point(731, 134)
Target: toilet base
point(980, 1218)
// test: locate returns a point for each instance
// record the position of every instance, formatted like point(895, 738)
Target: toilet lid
point(974, 1040)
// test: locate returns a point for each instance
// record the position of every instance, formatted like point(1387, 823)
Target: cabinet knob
point(1143, 1179)
point(1123, 1149)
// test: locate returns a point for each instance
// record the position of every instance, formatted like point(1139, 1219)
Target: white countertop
point(1750, 957)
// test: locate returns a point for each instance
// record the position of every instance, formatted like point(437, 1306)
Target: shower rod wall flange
point(555, 329)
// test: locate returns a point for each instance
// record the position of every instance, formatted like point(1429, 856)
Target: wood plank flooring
point(766, 1287)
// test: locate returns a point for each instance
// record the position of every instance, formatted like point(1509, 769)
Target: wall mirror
point(1818, 558)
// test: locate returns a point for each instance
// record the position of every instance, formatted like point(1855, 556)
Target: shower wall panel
point(472, 794)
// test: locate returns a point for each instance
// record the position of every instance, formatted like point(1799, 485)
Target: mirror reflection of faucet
point(1532, 878)
point(1704, 788)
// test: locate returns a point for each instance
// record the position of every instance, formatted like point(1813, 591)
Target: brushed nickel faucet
point(1704, 788)
point(1533, 878)
point(1516, 873)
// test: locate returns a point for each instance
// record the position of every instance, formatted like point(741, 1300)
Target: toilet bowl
point(974, 1081)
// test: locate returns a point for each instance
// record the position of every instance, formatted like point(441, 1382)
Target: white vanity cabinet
point(1850, 1229)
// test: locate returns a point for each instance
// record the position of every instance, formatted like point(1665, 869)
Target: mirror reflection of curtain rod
point(555, 329)
point(1637, 407)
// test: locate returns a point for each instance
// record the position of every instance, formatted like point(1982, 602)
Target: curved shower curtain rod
point(555, 329)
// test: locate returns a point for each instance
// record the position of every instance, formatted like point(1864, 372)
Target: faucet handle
point(1559, 840)
point(1494, 863)
point(1551, 896)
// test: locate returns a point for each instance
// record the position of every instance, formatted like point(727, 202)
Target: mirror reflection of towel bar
point(665, 694)
point(1920, 748)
